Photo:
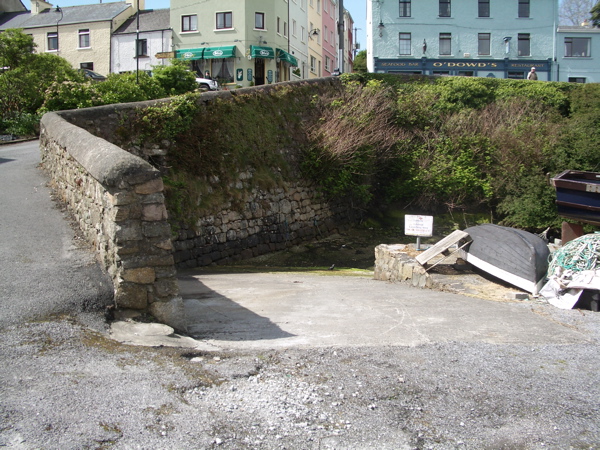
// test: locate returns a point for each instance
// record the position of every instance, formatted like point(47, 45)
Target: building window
point(484, 8)
point(318, 6)
point(259, 21)
point(405, 44)
point(523, 8)
point(52, 41)
point(327, 64)
point(577, 47)
point(84, 38)
point(189, 23)
point(294, 28)
point(302, 34)
point(313, 64)
point(466, 73)
point(325, 33)
point(142, 47)
point(405, 8)
point(445, 43)
point(516, 75)
point(225, 20)
point(285, 30)
point(278, 25)
point(87, 65)
point(524, 44)
point(576, 79)
point(444, 8)
point(483, 47)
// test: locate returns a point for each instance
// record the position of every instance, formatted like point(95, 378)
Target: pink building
point(330, 37)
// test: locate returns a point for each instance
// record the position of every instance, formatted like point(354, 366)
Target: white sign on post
point(418, 225)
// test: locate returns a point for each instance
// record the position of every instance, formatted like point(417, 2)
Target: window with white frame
point(294, 27)
point(52, 38)
point(285, 29)
point(142, 47)
point(319, 6)
point(327, 64)
point(302, 34)
point(483, 44)
point(189, 23)
point(577, 47)
point(224, 20)
point(484, 8)
point(405, 44)
point(524, 44)
point(444, 8)
point(445, 43)
point(259, 21)
point(279, 25)
point(405, 8)
point(84, 38)
point(325, 34)
point(313, 64)
point(524, 8)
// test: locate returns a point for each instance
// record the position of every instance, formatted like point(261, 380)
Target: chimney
point(38, 6)
point(137, 5)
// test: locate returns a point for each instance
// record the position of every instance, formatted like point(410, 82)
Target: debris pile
point(575, 267)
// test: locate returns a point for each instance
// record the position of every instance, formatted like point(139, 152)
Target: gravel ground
point(66, 386)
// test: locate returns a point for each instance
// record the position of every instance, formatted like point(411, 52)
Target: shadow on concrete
point(5, 160)
point(212, 316)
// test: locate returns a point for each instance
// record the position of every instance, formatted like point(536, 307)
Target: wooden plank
point(165, 55)
point(441, 246)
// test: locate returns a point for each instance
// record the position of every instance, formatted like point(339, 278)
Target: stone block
point(150, 187)
point(131, 296)
point(145, 275)
point(154, 212)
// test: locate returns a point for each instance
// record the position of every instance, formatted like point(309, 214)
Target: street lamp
point(61, 18)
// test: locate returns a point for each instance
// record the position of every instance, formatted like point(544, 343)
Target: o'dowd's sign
point(418, 225)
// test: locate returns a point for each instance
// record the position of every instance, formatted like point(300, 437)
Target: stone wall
point(117, 199)
point(394, 264)
point(266, 221)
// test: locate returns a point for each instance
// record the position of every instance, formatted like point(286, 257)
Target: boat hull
point(514, 256)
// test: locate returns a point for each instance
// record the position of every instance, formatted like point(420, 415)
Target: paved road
point(43, 270)
point(290, 361)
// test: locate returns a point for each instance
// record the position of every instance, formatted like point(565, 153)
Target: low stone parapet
point(117, 199)
point(393, 263)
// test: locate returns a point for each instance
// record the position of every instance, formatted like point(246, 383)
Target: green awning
point(261, 52)
point(227, 51)
point(287, 58)
point(189, 53)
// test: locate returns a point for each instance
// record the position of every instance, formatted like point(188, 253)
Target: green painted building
point(240, 42)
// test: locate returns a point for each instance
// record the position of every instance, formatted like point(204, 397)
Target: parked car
point(94, 76)
point(208, 83)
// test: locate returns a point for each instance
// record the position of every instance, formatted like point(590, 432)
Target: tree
point(16, 48)
point(575, 12)
point(360, 62)
point(596, 15)
point(176, 78)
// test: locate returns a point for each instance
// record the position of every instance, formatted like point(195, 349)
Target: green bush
point(175, 79)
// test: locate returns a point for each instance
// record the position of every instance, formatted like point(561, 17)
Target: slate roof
point(71, 15)
point(150, 20)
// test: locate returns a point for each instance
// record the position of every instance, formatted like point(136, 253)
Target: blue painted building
point(578, 54)
point(483, 38)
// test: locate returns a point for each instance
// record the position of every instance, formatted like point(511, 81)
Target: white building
point(155, 37)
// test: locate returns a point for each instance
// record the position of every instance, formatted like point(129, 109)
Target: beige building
point(315, 45)
point(80, 34)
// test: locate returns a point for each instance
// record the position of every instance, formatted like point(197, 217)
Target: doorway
point(259, 71)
